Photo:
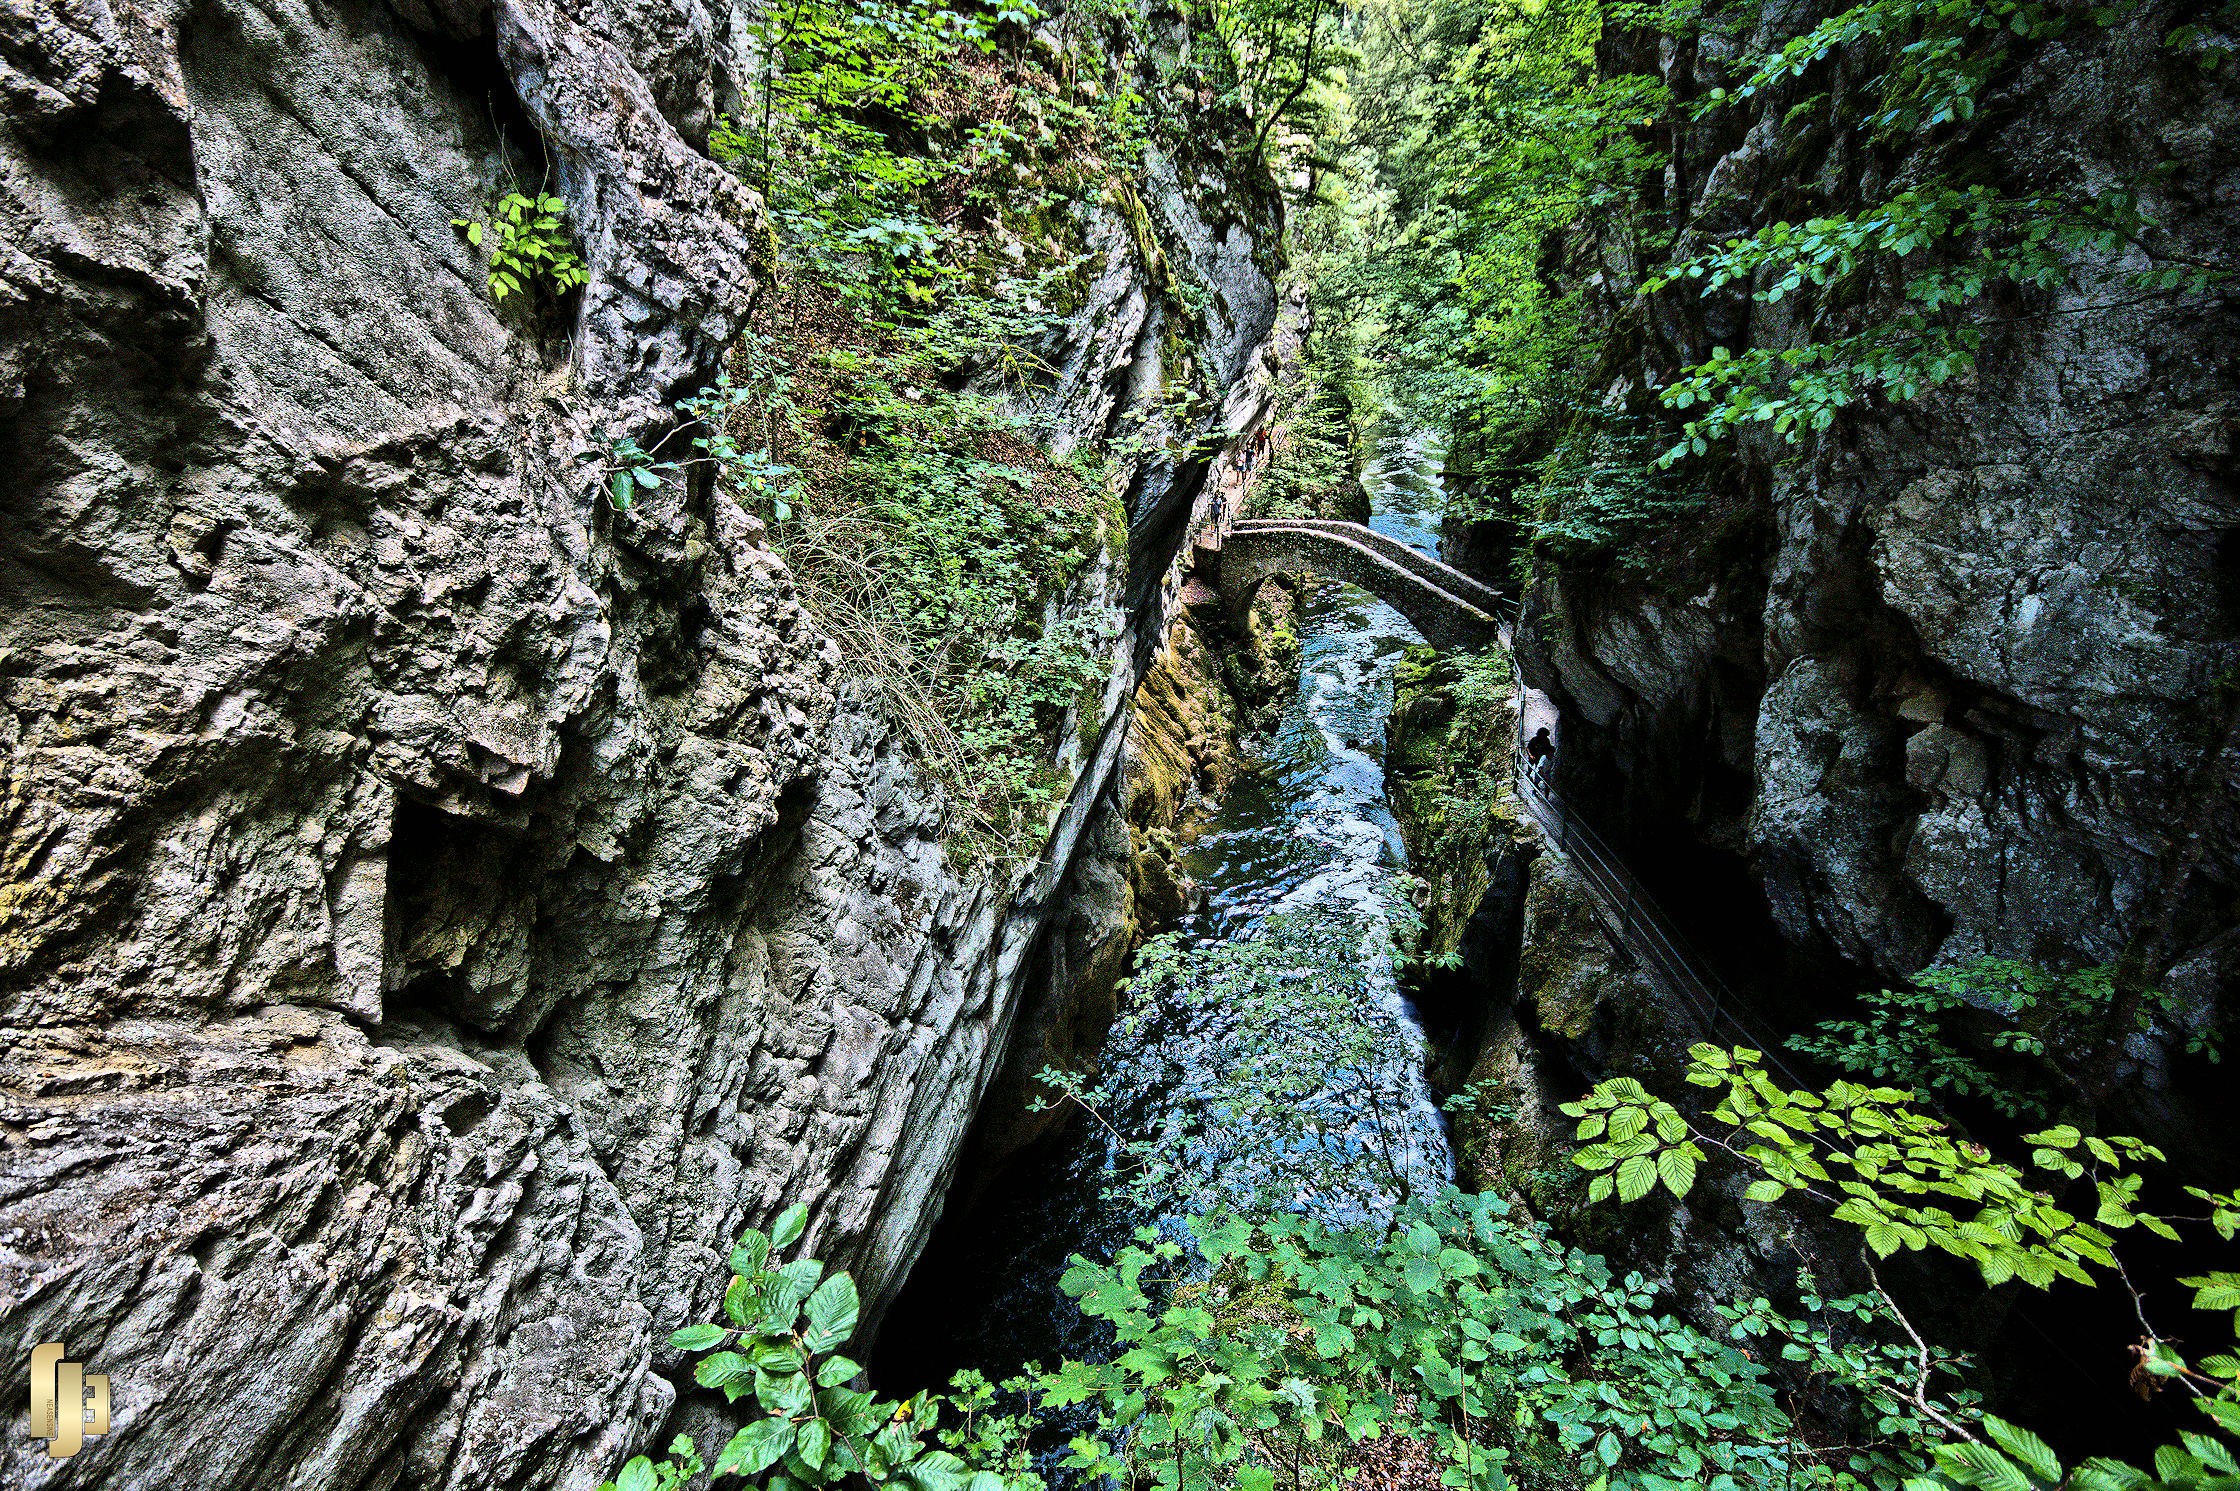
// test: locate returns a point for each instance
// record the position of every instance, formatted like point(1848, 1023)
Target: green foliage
point(1488, 132)
point(1936, 247)
point(931, 545)
point(2006, 1032)
point(834, 182)
point(1449, 742)
point(1512, 1359)
point(2015, 1459)
point(1952, 245)
point(1273, 52)
point(1309, 474)
point(931, 549)
point(529, 245)
point(1940, 55)
point(1903, 1179)
point(1282, 1348)
point(777, 1350)
point(629, 471)
point(927, 177)
point(1492, 136)
point(1479, 1112)
point(1479, 1101)
point(1600, 489)
point(884, 134)
point(673, 1473)
point(2212, 43)
point(1489, 136)
point(1874, 1157)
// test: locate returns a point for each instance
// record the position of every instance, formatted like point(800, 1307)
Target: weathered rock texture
point(1195, 693)
point(439, 915)
point(1947, 676)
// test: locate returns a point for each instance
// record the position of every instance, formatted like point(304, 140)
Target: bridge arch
point(1451, 610)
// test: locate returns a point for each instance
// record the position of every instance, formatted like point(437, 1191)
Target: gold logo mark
point(58, 1401)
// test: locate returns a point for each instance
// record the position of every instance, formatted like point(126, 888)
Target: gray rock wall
point(1955, 678)
point(437, 914)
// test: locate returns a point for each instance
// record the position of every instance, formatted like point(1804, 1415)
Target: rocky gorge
point(447, 903)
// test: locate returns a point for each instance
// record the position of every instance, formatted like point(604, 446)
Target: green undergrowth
point(1313, 468)
point(527, 238)
point(1440, 1339)
point(1271, 1342)
point(1455, 1342)
point(1456, 1339)
point(929, 172)
point(957, 566)
point(2057, 1205)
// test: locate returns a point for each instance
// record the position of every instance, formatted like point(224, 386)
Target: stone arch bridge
point(1450, 609)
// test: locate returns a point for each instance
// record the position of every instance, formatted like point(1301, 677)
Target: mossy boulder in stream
point(1448, 744)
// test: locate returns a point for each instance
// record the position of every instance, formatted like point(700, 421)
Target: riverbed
point(1301, 1087)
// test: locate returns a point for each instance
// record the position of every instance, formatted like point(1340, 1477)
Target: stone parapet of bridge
point(1451, 610)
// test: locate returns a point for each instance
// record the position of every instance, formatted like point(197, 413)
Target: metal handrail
point(1637, 924)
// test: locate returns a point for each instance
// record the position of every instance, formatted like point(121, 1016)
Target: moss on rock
point(1448, 743)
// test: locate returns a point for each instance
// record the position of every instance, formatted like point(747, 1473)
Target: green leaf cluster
point(1900, 1174)
point(933, 553)
point(1271, 1349)
point(2009, 1033)
point(527, 237)
point(1873, 1159)
point(1494, 141)
point(777, 1351)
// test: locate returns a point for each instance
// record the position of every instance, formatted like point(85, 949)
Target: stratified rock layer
point(439, 914)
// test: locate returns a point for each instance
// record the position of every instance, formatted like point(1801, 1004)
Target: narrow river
point(1301, 871)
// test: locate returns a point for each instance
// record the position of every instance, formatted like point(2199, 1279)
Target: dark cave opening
point(2062, 1360)
point(959, 1308)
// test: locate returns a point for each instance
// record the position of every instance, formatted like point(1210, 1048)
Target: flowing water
point(1302, 860)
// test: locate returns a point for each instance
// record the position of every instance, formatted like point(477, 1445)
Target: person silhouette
point(1539, 751)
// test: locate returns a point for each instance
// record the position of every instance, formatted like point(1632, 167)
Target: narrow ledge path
point(1641, 928)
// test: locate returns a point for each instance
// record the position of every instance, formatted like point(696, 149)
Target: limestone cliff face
point(439, 914)
point(1953, 677)
point(1205, 687)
